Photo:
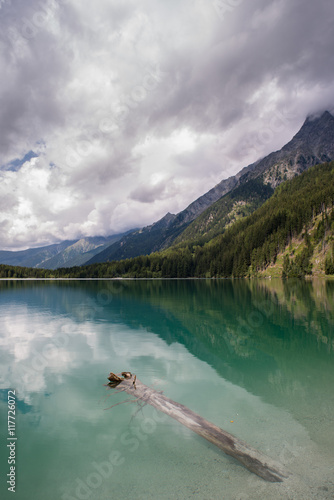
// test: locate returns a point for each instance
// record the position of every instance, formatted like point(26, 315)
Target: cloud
point(148, 194)
point(135, 109)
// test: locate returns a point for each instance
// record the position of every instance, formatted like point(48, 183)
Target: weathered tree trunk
point(254, 460)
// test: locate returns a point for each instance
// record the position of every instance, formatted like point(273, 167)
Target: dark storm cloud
point(129, 105)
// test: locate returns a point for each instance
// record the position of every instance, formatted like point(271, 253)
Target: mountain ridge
point(163, 232)
point(312, 144)
point(67, 253)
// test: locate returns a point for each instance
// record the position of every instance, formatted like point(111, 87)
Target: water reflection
point(253, 347)
point(251, 333)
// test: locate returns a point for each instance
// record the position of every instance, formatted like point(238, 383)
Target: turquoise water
point(255, 358)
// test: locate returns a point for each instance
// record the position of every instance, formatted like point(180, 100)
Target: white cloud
point(113, 96)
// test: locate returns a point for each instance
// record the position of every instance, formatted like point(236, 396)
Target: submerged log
point(254, 460)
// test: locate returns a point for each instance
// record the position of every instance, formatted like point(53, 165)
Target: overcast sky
point(114, 112)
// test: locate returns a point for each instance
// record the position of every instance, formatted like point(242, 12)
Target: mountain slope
point(240, 202)
point(144, 241)
point(64, 254)
point(301, 209)
point(313, 144)
point(164, 232)
point(79, 252)
point(33, 256)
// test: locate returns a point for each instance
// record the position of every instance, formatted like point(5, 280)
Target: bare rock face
point(313, 144)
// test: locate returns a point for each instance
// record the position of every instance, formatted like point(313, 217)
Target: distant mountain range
point(205, 218)
point(65, 254)
point(232, 198)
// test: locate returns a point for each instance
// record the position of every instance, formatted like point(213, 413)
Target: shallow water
point(255, 358)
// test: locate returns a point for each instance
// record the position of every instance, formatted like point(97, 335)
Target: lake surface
point(254, 357)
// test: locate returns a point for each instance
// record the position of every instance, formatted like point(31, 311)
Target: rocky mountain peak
point(313, 144)
point(316, 131)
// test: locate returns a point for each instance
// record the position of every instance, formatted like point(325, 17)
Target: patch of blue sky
point(16, 164)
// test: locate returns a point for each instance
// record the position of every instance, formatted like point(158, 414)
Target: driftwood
point(254, 460)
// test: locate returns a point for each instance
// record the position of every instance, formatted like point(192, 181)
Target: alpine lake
point(254, 357)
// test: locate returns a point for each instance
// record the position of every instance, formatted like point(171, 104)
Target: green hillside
point(239, 203)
